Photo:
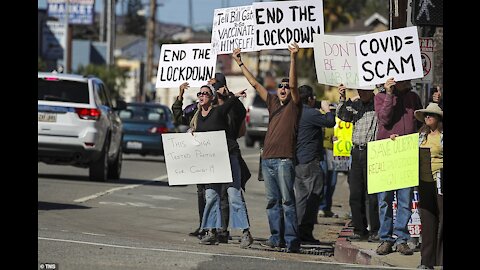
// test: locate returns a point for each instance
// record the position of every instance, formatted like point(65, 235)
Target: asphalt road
point(140, 222)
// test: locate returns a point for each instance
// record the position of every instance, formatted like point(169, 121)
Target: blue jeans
point(238, 209)
point(385, 210)
point(328, 187)
point(279, 176)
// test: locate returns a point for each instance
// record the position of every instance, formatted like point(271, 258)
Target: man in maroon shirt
point(395, 107)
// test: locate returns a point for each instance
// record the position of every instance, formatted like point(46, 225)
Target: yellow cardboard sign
point(392, 164)
point(343, 131)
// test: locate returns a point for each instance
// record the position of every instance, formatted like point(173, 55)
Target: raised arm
point(342, 112)
point(178, 104)
point(293, 72)
point(251, 79)
point(384, 104)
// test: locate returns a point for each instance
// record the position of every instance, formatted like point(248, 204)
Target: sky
point(176, 11)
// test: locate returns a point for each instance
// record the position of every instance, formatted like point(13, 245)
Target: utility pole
point(110, 32)
point(67, 52)
point(398, 14)
point(150, 43)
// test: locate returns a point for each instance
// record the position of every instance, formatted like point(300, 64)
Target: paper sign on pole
point(278, 24)
point(392, 164)
point(336, 61)
point(394, 53)
point(199, 159)
point(191, 62)
point(343, 131)
point(233, 28)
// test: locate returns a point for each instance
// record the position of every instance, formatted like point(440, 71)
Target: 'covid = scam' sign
point(336, 61)
point(279, 23)
point(233, 28)
point(394, 53)
point(201, 158)
point(192, 62)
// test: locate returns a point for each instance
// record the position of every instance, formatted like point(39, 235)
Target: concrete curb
point(347, 253)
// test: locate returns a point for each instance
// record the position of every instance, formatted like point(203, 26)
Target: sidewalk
point(336, 230)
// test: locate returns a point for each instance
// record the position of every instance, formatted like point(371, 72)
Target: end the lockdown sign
point(190, 62)
point(280, 23)
point(392, 164)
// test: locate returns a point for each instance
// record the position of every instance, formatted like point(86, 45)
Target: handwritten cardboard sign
point(191, 62)
point(199, 159)
point(232, 28)
point(336, 61)
point(392, 164)
point(343, 131)
point(394, 53)
point(279, 23)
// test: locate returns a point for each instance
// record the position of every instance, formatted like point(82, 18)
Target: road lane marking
point(96, 195)
point(153, 249)
point(137, 204)
point(164, 197)
point(94, 234)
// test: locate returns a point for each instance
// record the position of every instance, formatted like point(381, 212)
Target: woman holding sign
point(430, 185)
point(214, 118)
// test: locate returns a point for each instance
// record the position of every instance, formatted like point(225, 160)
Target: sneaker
point(223, 236)
point(196, 232)
point(357, 237)
point(374, 238)
point(246, 239)
point(404, 249)
point(270, 244)
point(210, 238)
point(293, 250)
point(425, 267)
point(385, 248)
point(326, 213)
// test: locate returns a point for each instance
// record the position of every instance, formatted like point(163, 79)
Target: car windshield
point(143, 113)
point(61, 90)
point(258, 102)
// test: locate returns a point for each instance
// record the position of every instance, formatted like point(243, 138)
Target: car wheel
point(99, 168)
point(249, 142)
point(115, 168)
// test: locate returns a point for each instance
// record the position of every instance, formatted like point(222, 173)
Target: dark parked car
point(143, 126)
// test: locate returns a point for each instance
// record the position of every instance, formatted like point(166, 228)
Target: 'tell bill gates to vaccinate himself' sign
point(394, 53)
point(232, 28)
point(201, 158)
point(191, 62)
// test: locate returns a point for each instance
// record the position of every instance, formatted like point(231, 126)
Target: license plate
point(134, 145)
point(47, 117)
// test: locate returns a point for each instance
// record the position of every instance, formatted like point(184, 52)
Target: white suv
point(77, 124)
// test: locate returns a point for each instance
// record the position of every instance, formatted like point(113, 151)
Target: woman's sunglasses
point(203, 94)
point(286, 86)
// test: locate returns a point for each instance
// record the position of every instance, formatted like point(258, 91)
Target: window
point(62, 90)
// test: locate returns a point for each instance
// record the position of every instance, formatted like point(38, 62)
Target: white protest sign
point(279, 23)
point(199, 159)
point(393, 53)
point(336, 61)
point(233, 28)
point(426, 49)
point(191, 62)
